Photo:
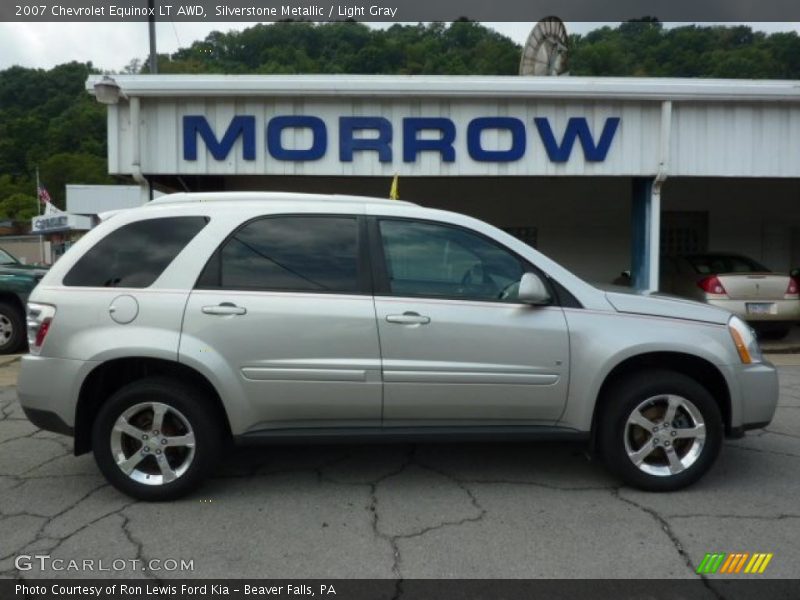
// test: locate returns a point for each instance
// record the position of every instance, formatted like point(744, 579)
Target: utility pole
point(151, 20)
point(39, 213)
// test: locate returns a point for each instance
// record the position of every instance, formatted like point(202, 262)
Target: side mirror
point(532, 290)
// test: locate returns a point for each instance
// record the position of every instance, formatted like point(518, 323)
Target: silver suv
point(199, 319)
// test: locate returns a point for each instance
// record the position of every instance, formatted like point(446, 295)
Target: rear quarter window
point(135, 254)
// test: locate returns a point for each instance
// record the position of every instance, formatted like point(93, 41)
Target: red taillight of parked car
point(711, 285)
point(794, 287)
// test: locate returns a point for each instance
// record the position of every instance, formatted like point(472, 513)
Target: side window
point(292, 253)
point(427, 259)
point(136, 254)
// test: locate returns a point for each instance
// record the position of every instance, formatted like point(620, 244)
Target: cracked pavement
point(406, 511)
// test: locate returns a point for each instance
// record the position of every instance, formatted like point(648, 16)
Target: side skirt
point(377, 435)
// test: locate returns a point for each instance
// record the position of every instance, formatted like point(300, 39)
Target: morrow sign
point(418, 135)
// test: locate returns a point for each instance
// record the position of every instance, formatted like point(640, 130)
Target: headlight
point(745, 341)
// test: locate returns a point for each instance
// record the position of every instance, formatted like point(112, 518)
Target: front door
point(457, 348)
point(285, 312)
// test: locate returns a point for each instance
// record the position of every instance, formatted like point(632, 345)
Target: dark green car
point(16, 283)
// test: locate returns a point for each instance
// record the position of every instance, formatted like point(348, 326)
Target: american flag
point(44, 197)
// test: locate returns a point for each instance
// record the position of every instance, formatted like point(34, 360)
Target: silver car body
point(313, 362)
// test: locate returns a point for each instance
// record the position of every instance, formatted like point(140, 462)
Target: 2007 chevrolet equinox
point(172, 329)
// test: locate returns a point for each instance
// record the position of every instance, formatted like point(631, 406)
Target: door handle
point(408, 318)
point(224, 308)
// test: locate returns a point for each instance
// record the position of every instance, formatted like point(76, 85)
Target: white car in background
point(767, 300)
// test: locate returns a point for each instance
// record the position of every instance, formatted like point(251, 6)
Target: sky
point(111, 46)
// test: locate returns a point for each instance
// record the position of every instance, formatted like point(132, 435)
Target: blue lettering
point(477, 126)
point(348, 143)
point(319, 134)
point(244, 126)
point(351, 128)
point(412, 145)
point(577, 127)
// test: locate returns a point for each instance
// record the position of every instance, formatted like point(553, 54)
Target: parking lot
point(410, 511)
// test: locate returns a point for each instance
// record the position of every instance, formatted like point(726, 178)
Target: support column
point(645, 234)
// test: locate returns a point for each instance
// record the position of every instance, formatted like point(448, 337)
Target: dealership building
point(601, 174)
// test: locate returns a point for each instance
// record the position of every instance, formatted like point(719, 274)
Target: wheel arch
point(13, 299)
point(701, 370)
point(112, 375)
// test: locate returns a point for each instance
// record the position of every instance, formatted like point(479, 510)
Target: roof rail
point(267, 196)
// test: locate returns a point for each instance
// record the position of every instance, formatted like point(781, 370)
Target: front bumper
point(758, 393)
point(784, 311)
point(48, 390)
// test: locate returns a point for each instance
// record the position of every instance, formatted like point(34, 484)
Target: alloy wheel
point(6, 329)
point(152, 443)
point(664, 435)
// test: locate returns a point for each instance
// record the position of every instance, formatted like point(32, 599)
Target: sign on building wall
point(456, 136)
point(60, 222)
point(358, 137)
point(375, 136)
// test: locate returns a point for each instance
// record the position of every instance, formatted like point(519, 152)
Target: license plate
point(759, 308)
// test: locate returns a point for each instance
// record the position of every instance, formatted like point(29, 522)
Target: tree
point(19, 207)
point(60, 169)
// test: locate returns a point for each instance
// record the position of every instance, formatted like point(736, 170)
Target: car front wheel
point(156, 439)
point(660, 430)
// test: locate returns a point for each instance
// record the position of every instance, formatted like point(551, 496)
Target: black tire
point(614, 433)
point(13, 336)
point(189, 411)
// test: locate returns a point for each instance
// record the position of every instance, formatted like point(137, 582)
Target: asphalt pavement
point(400, 511)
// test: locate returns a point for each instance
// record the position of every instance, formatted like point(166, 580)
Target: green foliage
point(645, 48)
point(19, 207)
point(48, 120)
point(463, 47)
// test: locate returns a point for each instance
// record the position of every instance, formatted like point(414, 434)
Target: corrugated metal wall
point(711, 139)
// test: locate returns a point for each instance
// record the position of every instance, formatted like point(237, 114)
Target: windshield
point(6, 258)
point(718, 263)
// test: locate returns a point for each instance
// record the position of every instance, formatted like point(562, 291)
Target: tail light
point(40, 318)
point(711, 285)
point(794, 287)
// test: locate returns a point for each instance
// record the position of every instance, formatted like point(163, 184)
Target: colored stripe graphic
point(711, 562)
point(724, 563)
point(727, 566)
point(744, 558)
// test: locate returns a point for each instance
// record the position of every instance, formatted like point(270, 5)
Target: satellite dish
point(545, 52)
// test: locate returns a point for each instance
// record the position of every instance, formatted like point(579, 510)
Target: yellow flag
point(394, 192)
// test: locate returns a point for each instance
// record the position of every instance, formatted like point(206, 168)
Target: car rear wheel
point(12, 328)
point(156, 439)
point(660, 430)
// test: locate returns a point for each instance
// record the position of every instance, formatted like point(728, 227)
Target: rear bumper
point(47, 420)
point(787, 311)
point(48, 390)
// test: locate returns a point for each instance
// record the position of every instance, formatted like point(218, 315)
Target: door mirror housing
point(532, 290)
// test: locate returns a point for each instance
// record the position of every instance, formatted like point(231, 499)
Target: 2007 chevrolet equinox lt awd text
point(199, 319)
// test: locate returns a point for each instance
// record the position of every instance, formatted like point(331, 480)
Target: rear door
point(285, 306)
point(457, 348)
